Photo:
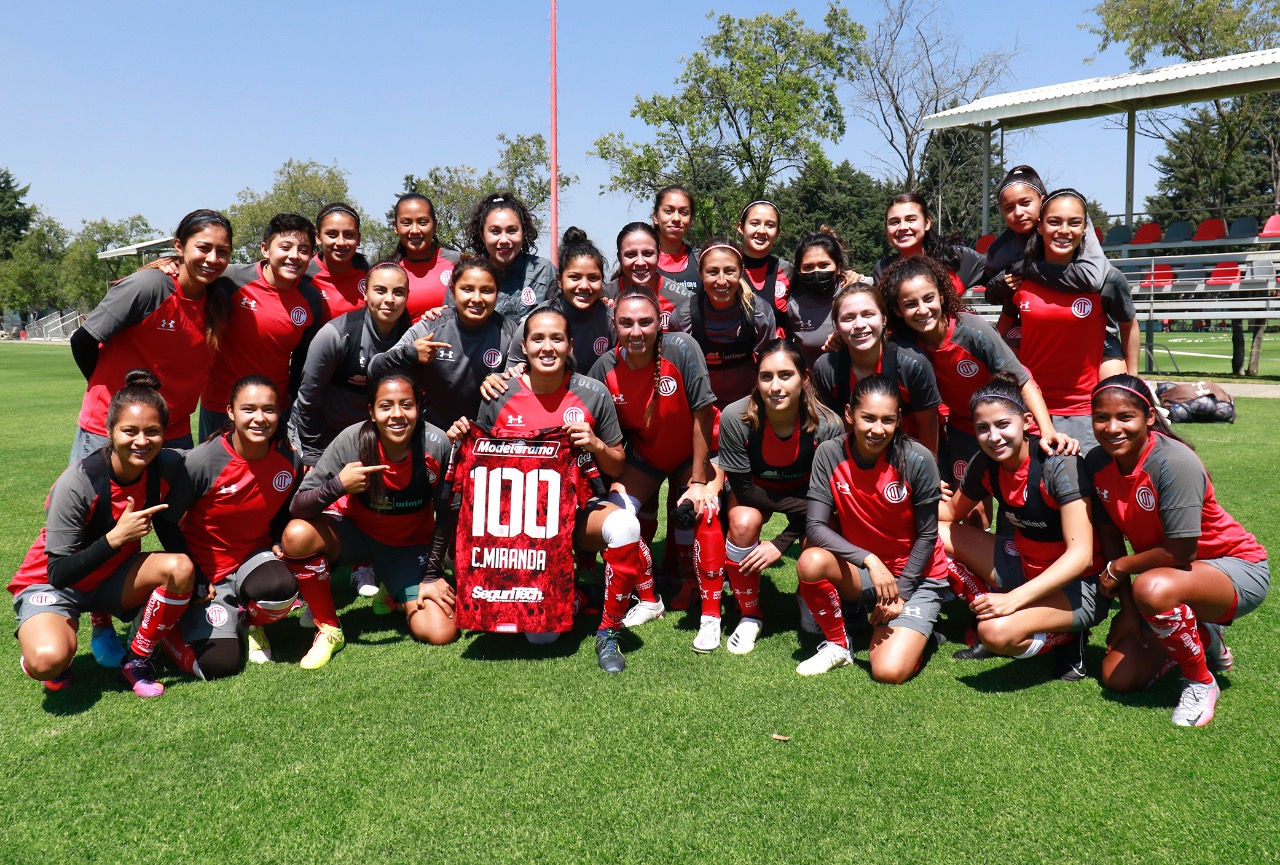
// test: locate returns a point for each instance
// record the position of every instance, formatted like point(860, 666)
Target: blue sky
point(157, 108)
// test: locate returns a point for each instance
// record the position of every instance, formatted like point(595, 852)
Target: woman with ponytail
point(88, 557)
point(872, 524)
point(581, 298)
point(1194, 569)
point(428, 264)
point(1037, 591)
point(338, 270)
point(767, 444)
point(909, 229)
point(805, 312)
point(373, 497)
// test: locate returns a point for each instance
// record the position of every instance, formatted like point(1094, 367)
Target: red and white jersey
point(514, 554)
point(519, 410)
point(429, 281)
point(665, 441)
point(146, 321)
point(85, 503)
point(874, 504)
point(341, 294)
point(681, 268)
point(264, 326)
point(235, 503)
point(1168, 495)
point(1061, 345)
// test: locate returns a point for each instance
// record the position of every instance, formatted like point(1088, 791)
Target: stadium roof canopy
point(1180, 84)
point(160, 245)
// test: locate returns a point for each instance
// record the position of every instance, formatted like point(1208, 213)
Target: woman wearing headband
point(1037, 591)
point(770, 276)
point(1193, 570)
point(338, 270)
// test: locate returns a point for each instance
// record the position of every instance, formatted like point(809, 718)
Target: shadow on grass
point(484, 646)
point(87, 686)
point(1163, 694)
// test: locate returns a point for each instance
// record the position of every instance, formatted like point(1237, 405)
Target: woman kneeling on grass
point(883, 489)
point(372, 497)
point(1194, 569)
point(767, 444)
point(88, 557)
point(1038, 591)
point(242, 482)
point(550, 395)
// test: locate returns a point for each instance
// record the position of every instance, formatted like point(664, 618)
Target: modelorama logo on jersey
point(517, 448)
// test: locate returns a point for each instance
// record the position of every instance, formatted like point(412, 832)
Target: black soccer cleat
point(607, 653)
point(1068, 659)
point(976, 652)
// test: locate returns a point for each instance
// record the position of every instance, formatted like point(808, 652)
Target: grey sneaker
point(607, 653)
point(1195, 706)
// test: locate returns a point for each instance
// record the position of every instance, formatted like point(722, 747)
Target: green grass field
point(1209, 354)
point(491, 750)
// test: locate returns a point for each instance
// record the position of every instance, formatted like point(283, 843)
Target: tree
point(912, 67)
point(842, 197)
point(1198, 30)
point(755, 104)
point(299, 187)
point(522, 168)
point(29, 278)
point(15, 216)
point(82, 275)
point(950, 179)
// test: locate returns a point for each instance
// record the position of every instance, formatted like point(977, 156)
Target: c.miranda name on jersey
point(509, 558)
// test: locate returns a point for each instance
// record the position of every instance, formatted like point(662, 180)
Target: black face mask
point(815, 282)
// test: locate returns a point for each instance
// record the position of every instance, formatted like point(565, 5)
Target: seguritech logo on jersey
point(515, 595)
point(282, 481)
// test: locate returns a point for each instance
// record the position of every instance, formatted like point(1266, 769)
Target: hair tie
point(1025, 181)
point(743, 214)
point(1146, 399)
point(989, 395)
point(209, 217)
point(340, 208)
point(732, 249)
point(1058, 193)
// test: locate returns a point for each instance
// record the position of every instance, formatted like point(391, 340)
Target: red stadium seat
point(984, 243)
point(1226, 273)
point(1098, 231)
point(1211, 229)
point(1272, 228)
point(1148, 233)
point(1161, 275)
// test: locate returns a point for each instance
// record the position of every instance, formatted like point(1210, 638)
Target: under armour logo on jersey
point(248, 303)
point(619, 399)
point(230, 488)
point(1082, 307)
point(444, 354)
point(298, 316)
point(515, 420)
point(843, 487)
point(1104, 494)
point(913, 612)
point(1146, 499)
point(168, 324)
point(1024, 305)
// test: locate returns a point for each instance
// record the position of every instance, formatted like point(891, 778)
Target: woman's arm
point(84, 351)
point(1077, 531)
point(1051, 441)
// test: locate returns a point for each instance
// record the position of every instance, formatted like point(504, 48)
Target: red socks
point(824, 602)
point(967, 586)
point(101, 620)
point(625, 569)
point(259, 613)
point(709, 559)
point(312, 574)
point(746, 589)
point(181, 653)
point(1177, 632)
point(161, 613)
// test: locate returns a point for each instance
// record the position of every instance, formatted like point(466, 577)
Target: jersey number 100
point(524, 491)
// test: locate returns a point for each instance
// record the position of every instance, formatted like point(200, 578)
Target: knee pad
point(620, 528)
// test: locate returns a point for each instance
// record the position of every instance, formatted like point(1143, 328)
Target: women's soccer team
point(918, 453)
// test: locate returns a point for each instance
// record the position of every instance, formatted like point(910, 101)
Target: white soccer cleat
point(808, 623)
point(364, 581)
point(827, 658)
point(643, 613)
point(708, 639)
point(743, 639)
point(1195, 706)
